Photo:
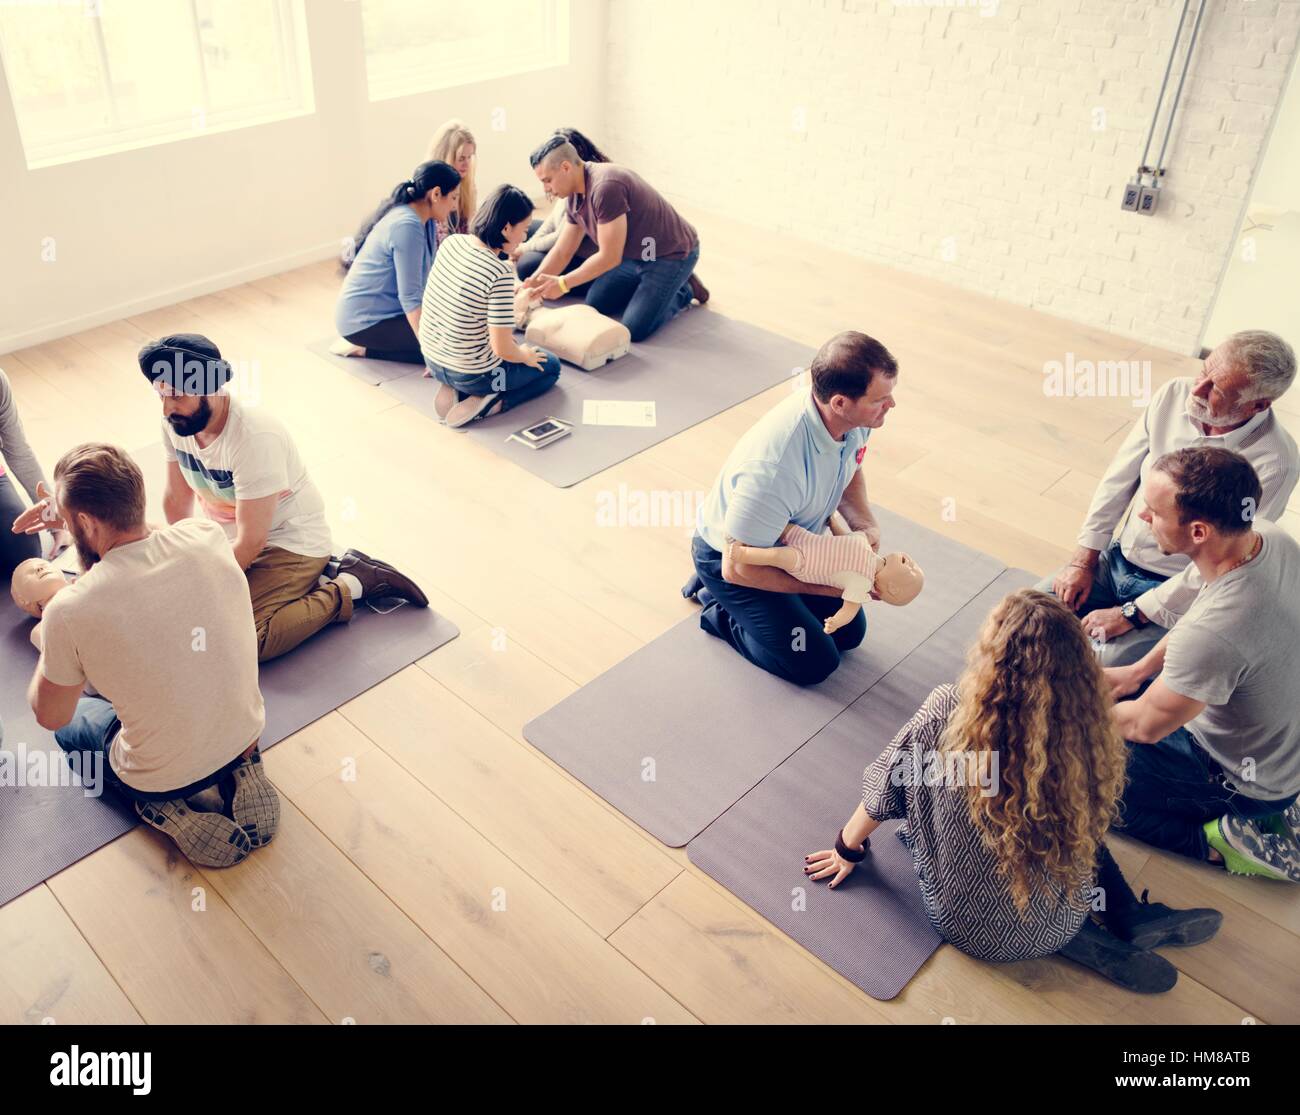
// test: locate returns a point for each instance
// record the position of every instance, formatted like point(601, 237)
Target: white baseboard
point(52, 331)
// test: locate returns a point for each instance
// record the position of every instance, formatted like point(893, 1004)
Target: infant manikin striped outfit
point(845, 561)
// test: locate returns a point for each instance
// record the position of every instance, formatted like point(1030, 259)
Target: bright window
point(88, 77)
point(413, 46)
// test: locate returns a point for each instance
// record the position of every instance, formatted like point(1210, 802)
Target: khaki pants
point(289, 603)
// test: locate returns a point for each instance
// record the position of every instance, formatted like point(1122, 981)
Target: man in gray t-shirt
point(1214, 740)
point(643, 270)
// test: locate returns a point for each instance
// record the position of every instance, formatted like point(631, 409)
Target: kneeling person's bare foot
point(344, 347)
point(444, 400)
point(205, 839)
point(379, 579)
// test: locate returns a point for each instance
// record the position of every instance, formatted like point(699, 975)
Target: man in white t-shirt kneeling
point(162, 628)
point(242, 464)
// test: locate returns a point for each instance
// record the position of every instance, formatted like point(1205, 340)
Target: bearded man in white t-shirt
point(157, 615)
point(244, 468)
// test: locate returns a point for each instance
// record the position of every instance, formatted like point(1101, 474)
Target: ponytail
point(427, 176)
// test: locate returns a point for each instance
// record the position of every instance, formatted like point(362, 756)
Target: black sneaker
point(1153, 925)
point(379, 579)
point(205, 839)
point(692, 587)
point(1147, 973)
point(255, 806)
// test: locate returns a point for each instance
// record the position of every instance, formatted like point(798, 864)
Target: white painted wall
point(908, 133)
point(146, 228)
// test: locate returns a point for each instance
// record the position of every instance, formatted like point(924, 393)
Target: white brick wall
point(988, 150)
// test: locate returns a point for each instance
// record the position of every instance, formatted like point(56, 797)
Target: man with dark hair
point(161, 626)
point(799, 464)
point(643, 270)
point(244, 467)
point(1214, 740)
point(1118, 581)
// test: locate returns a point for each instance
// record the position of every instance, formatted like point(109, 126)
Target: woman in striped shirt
point(471, 303)
point(1006, 784)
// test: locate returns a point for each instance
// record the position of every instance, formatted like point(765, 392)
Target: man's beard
point(1200, 412)
point(189, 425)
point(84, 552)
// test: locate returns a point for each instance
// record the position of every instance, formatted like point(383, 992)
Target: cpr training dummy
point(843, 559)
point(34, 584)
point(579, 334)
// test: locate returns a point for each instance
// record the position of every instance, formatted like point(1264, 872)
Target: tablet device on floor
point(542, 433)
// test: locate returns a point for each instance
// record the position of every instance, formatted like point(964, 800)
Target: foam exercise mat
point(872, 929)
point(679, 731)
point(697, 366)
point(369, 371)
point(44, 829)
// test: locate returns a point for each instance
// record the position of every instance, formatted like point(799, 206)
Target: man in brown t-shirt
point(643, 270)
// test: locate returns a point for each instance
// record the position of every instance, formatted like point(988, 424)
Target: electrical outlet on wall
point(1132, 191)
point(1148, 197)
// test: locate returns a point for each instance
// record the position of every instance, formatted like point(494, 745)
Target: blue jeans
point(1117, 581)
point(762, 625)
point(91, 732)
point(644, 294)
point(515, 383)
point(1173, 788)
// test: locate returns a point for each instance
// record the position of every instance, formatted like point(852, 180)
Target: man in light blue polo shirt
point(798, 464)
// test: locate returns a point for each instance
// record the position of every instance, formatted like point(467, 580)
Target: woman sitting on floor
point(529, 255)
point(1006, 784)
point(453, 143)
point(378, 311)
point(471, 304)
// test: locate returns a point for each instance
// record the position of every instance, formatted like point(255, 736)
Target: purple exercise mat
point(873, 929)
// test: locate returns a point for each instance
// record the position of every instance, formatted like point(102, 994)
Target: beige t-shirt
point(163, 628)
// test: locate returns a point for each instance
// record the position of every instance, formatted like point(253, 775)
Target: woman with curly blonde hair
point(454, 144)
point(1006, 784)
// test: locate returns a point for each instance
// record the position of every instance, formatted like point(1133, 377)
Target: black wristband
point(848, 854)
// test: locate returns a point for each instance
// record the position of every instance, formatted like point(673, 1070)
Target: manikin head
point(899, 579)
point(34, 584)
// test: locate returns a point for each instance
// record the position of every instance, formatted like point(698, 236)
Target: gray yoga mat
point(369, 371)
point(44, 829)
point(696, 366)
point(680, 730)
point(872, 929)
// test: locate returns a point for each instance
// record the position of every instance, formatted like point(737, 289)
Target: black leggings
point(14, 548)
point(391, 339)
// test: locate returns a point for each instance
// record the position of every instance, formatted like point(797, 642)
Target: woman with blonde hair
point(454, 143)
point(1006, 784)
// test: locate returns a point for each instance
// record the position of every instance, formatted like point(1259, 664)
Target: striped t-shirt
point(468, 290)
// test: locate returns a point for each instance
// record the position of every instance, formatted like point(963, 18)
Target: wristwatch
point(1131, 613)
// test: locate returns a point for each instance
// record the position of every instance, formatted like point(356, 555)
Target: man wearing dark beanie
point(244, 467)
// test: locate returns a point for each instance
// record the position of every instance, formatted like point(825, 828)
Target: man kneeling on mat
point(244, 467)
point(799, 464)
point(1005, 784)
point(161, 626)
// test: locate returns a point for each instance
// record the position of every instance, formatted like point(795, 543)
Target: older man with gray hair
point(1125, 588)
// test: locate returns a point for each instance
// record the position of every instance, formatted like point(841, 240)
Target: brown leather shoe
point(379, 579)
point(698, 289)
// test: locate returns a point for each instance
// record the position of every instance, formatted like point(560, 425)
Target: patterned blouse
point(968, 900)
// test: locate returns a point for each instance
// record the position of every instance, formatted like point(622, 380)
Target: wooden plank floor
point(432, 866)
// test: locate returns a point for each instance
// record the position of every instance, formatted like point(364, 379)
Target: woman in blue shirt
point(378, 311)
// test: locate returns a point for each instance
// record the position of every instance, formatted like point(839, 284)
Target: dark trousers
point(391, 339)
point(515, 383)
point(1174, 788)
point(780, 632)
point(644, 294)
point(14, 548)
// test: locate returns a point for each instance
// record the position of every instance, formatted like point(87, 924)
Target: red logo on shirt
point(862, 453)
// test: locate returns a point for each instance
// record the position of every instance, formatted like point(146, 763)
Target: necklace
point(1254, 550)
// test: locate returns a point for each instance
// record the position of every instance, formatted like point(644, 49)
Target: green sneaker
point(1249, 850)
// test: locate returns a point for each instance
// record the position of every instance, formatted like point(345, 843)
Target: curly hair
point(1034, 694)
